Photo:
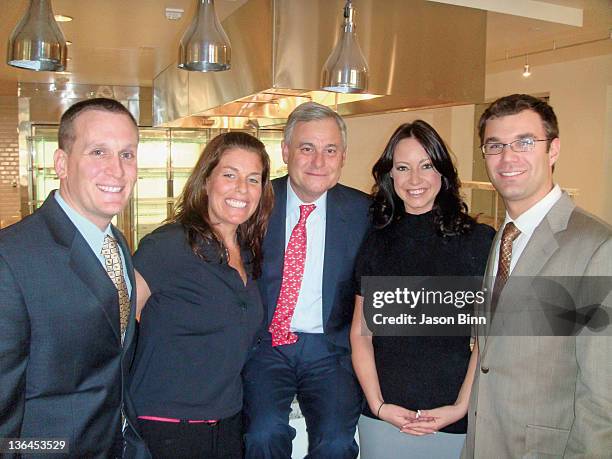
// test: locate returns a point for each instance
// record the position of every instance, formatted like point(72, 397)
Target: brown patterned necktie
point(510, 233)
point(114, 268)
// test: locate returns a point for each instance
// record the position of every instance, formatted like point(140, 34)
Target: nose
point(114, 167)
point(414, 177)
point(241, 185)
point(318, 160)
point(507, 153)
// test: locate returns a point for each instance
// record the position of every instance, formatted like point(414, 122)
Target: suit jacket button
point(484, 370)
point(258, 341)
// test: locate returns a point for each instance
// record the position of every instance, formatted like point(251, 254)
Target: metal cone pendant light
point(205, 46)
point(346, 69)
point(37, 43)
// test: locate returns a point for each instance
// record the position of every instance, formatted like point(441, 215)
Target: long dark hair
point(450, 212)
point(192, 206)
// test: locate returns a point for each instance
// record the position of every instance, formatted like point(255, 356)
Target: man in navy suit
point(310, 357)
point(66, 336)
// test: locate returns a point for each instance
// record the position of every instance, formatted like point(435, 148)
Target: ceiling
point(115, 42)
point(118, 42)
point(514, 35)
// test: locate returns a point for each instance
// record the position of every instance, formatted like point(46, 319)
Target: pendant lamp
point(205, 46)
point(346, 69)
point(526, 67)
point(37, 43)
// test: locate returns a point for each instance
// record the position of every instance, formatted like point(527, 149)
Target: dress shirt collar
point(529, 220)
point(294, 202)
point(92, 234)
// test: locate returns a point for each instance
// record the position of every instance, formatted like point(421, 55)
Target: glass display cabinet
point(166, 157)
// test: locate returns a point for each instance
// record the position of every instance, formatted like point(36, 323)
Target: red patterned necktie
point(293, 271)
point(510, 233)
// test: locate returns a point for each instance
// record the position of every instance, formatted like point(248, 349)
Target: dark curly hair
point(192, 205)
point(450, 212)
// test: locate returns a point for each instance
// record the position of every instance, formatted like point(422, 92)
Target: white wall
point(580, 93)
point(368, 135)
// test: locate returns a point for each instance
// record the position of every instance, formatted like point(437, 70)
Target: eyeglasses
point(518, 146)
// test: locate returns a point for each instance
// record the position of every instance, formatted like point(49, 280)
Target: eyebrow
point(238, 170)
point(310, 144)
point(420, 161)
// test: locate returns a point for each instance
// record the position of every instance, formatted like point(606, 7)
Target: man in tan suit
point(538, 396)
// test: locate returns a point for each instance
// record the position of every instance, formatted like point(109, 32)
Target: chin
point(112, 209)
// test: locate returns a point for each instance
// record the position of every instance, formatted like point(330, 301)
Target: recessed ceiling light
point(174, 14)
point(63, 18)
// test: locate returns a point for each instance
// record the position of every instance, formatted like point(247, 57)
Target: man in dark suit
point(66, 298)
point(315, 230)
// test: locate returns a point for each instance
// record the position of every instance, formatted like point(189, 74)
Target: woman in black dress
point(422, 229)
point(196, 275)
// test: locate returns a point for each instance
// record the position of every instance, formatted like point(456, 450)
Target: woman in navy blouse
point(200, 304)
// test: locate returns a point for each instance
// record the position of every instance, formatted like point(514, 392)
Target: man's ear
point(553, 151)
point(60, 163)
point(285, 151)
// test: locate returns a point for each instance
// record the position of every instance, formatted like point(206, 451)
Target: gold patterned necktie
point(510, 233)
point(114, 268)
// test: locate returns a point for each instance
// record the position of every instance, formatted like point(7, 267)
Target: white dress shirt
point(308, 314)
point(527, 222)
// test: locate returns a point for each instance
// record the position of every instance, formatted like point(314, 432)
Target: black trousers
point(222, 440)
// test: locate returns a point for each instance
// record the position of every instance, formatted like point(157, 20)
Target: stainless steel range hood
point(420, 54)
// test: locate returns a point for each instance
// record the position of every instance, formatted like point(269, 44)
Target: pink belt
point(177, 421)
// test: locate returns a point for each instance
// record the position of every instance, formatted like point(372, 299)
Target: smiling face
point(415, 179)
point(522, 179)
point(234, 188)
point(314, 157)
point(99, 172)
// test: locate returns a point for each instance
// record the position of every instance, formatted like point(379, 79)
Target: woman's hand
point(430, 421)
point(396, 415)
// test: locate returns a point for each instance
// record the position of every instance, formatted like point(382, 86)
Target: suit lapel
point(488, 285)
point(543, 242)
point(83, 261)
point(335, 240)
point(131, 326)
point(87, 266)
point(540, 248)
point(538, 251)
point(274, 246)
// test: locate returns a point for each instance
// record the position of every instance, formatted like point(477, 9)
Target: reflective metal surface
point(37, 43)
point(345, 69)
point(170, 91)
point(205, 46)
point(434, 56)
point(47, 101)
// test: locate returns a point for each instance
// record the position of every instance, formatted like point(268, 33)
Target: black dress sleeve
point(363, 266)
point(155, 254)
point(482, 241)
